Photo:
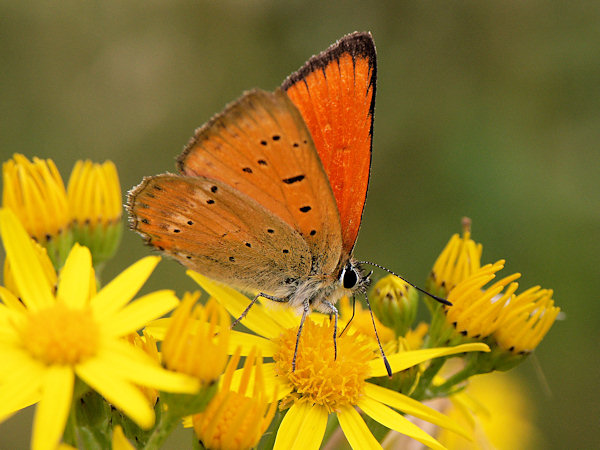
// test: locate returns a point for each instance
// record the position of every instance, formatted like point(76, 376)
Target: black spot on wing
point(292, 180)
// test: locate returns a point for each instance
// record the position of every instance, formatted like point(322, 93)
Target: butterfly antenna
point(435, 297)
point(385, 360)
point(353, 311)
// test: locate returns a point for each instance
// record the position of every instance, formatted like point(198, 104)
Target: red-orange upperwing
point(335, 93)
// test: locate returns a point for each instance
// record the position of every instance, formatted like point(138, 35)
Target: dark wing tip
point(357, 44)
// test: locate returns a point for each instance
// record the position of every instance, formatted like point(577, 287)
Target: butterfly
point(271, 191)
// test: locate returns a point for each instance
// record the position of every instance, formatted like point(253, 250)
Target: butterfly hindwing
point(335, 93)
point(214, 229)
point(260, 146)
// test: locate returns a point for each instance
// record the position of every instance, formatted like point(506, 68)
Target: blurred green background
point(484, 109)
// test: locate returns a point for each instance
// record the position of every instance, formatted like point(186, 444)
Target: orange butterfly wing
point(335, 93)
point(260, 146)
point(215, 229)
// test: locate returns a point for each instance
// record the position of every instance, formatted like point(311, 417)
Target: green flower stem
point(178, 406)
point(70, 433)
point(162, 430)
point(91, 439)
point(449, 386)
point(267, 440)
point(421, 392)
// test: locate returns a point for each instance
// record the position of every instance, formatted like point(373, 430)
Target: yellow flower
point(236, 418)
point(513, 325)
point(497, 411)
point(526, 320)
point(323, 385)
point(94, 198)
point(52, 338)
point(476, 312)
point(460, 258)
point(196, 341)
point(147, 344)
point(36, 193)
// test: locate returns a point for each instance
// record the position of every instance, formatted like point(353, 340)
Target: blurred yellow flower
point(459, 259)
point(95, 207)
point(49, 338)
point(498, 411)
point(236, 418)
point(197, 339)
point(35, 192)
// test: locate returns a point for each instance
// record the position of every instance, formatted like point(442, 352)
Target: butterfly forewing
point(261, 147)
point(218, 231)
point(335, 93)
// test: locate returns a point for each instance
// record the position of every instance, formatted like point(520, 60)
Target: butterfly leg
point(254, 300)
point(304, 314)
point(353, 312)
point(333, 310)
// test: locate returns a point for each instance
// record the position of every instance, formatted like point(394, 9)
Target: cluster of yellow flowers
point(87, 355)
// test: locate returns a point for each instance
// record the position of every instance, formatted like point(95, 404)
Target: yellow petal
point(247, 341)
point(119, 441)
point(413, 407)
point(302, 428)
point(394, 421)
point(27, 268)
point(122, 288)
point(404, 360)
point(117, 391)
point(271, 381)
point(74, 278)
point(12, 302)
point(129, 363)
point(356, 431)
point(53, 410)
point(20, 382)
point(158, 328)
point(257, 318)
point(138, 313)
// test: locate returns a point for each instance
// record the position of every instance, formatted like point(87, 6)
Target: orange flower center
point(320, 378)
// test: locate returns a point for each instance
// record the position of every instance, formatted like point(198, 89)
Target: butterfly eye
point(349, 277)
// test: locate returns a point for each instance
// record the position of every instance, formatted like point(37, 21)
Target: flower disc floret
point(320, 377)
point(59, 335)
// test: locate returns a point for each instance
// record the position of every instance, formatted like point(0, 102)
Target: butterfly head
point(353, 277)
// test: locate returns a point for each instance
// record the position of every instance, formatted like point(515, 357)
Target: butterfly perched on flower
point(270, 192)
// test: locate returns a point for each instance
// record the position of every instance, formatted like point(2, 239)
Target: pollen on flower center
point(59, 335)
point(320, 378)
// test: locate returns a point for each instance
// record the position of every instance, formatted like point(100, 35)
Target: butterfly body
point(270, 192)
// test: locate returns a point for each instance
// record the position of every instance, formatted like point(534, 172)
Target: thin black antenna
point(385, 360)
point(435, 297)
